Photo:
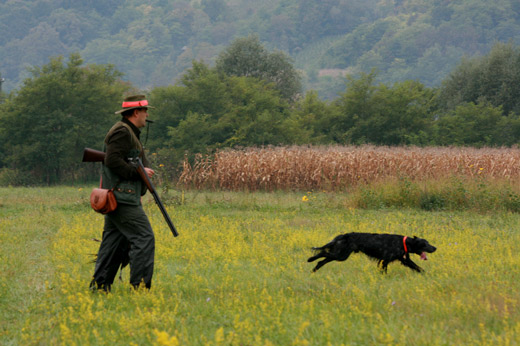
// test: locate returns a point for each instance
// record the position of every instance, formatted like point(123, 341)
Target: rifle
point(91, 155)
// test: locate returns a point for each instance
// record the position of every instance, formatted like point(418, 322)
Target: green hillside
point(152, 42)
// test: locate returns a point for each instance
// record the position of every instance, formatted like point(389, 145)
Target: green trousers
point(127, 238)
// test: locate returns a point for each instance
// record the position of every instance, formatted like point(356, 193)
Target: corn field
point(334, 168)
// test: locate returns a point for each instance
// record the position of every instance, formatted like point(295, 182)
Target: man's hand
point(149, 172)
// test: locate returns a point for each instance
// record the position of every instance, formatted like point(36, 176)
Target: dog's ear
point(414, 237)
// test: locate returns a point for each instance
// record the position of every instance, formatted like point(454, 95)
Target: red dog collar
point(404, 243)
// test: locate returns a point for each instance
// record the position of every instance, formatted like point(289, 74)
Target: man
point(127, 235)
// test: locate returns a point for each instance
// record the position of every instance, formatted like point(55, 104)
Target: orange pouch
point(103, 200)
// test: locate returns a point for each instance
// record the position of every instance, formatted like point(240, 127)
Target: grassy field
point(237, 275)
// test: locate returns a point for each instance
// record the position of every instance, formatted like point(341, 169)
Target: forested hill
point(153, 41)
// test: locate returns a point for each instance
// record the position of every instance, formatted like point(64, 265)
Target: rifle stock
point(91, 155)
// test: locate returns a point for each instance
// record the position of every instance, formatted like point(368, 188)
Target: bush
point(15, 177)
point(432, 201)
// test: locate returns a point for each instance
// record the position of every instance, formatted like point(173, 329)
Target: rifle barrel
point(149, 185)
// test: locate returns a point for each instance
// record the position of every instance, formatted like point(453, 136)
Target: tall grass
point(29, 221)
point(237, 275)
point(427, 178)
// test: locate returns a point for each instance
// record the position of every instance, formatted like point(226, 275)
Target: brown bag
point(103, 200)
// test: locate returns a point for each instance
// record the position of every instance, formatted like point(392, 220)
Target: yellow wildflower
point(163, 338)
point(219, 335)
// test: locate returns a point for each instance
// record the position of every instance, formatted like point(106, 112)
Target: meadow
point(237, 274)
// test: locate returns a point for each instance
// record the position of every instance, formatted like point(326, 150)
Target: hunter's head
point(135, 109)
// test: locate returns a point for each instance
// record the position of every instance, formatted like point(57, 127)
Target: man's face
point(140, 116)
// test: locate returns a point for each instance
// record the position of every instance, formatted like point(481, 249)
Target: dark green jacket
point(122, 142)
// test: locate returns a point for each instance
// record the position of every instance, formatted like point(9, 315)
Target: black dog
point(385, 248)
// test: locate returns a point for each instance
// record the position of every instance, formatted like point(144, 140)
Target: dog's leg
point(315, 257)
point(322, 263)
point(410, 264)
point(384, 265)
point(328, 258)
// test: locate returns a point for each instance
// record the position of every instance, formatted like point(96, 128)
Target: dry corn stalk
point(340, 167)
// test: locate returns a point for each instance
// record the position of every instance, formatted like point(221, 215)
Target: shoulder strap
point(135, 141)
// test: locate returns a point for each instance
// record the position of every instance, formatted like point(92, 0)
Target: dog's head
point(421, 247)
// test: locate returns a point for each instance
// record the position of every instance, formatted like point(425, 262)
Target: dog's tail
point(318, 252)
point(327, 247)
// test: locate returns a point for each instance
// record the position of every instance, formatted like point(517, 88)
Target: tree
point(247, 57)
point(310, 121)
point(383, 115)
point(60, 110)
point(494, 78)
point(354, 105)
point(478, 125)
point(217, 10)
point(211, 110)
point(2, 95)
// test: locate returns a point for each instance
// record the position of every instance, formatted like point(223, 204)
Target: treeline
point(248, 100)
